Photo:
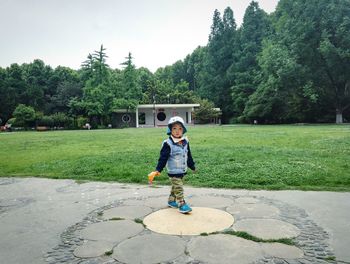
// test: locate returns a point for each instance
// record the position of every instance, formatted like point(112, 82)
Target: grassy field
point(254, 157)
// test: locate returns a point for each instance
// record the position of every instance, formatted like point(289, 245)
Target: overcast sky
point(64, 32)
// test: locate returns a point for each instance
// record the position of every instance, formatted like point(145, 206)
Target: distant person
point(176, 154)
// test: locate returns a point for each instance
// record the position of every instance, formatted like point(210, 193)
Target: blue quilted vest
point(177, 162)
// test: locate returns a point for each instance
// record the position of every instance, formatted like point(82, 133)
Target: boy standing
point(176, 154)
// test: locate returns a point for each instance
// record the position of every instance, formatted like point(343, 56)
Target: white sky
point(64, 32)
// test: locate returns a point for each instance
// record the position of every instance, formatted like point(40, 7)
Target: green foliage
point(311, 42)
point(121, 103)
point(42, 120)
point(219, 58)
point(244, 72)
point(25, 115)
point(206, 112)
point(81, 121)
point(281, 78)
point(61, 120)
point(131, 86)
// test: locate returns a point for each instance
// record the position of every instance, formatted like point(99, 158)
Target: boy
point(176, 154)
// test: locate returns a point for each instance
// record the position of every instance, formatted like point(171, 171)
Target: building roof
point(167, 105)
point(150, 106)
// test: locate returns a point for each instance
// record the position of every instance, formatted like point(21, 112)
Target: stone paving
point(61, 221)
point(116, 233)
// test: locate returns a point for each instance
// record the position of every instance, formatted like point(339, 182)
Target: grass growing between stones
point(312, 157)
point(139, 221)
point(330, 258)
point(245, 235)
point(109, 253)
point(116, 219)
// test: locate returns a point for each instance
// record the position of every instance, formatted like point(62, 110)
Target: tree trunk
point(339, 116)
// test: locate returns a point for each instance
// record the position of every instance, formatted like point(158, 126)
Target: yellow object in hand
point(152, 175)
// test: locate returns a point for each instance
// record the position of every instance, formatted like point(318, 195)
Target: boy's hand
point(152, 175)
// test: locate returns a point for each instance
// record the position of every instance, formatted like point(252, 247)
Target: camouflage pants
point(177, 189)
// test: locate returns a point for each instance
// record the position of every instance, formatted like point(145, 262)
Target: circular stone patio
point(112, 234)
point(200, 220)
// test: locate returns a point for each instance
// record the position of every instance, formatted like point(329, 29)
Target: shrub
point(81, 121)
point(25, 115)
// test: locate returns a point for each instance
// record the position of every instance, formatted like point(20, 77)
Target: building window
point(161, 116)
point(126, 118)
point(142, 118)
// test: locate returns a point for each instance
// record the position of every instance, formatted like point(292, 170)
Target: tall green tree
point(131, 82)
point(97, 92)
point(314, 39)
point(244, 72)
point(215, 84)
point(99, 66)
point(12, 90)
point(334, 50)
point(38, 93)
point(273, 101)
point(194, 65)
point(67, 85)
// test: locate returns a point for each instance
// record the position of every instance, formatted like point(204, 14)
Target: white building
point(149, 115)
point(159, 114)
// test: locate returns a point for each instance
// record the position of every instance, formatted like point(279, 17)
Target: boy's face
point(176, 130)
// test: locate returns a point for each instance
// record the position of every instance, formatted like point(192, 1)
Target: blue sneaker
point(173, 204)
point(184, 208)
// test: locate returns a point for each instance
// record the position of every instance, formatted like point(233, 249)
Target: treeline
point(34, 94)
point(290, 66)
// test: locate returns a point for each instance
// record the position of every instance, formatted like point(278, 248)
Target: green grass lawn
point(308, 157)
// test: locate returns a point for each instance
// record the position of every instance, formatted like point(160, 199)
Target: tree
point(206, 112)
point(25, 115)
point(335, 53)
point(282, 87)
point(67, 85)
point(145, 75)
point(219, 58)
point(316, 34)
point(98, 94)
point(131, 85)
point(245, 70)
point(36, 76)
point(194, 64)
point(99, 66)
point(87, 68)
point(11, 86)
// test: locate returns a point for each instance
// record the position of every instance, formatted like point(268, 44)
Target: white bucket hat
point(173, 120)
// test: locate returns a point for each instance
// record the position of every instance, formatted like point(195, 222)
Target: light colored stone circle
point(112, 231)
point(152, 248)
point(210, 201)
point(279, 250)
point(224, 249)
point(126, 212)
point(200, 220)
point(93, 249)
point(267, 228)
point(258, 210)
